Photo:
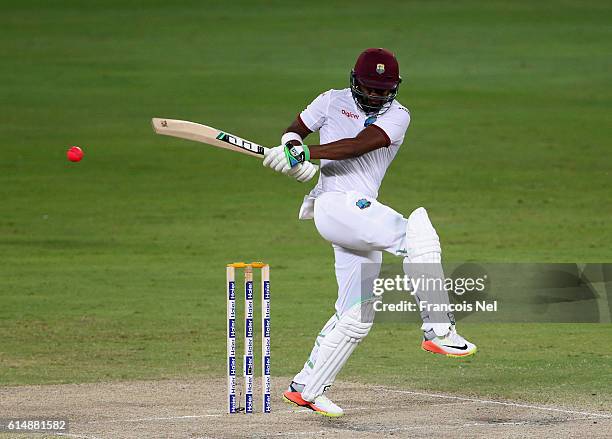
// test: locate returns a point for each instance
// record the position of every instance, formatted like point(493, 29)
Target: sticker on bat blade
point(240, 143)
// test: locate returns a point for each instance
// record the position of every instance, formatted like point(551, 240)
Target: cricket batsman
point(361, 129)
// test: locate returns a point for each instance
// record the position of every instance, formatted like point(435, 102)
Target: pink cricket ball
point(74, 154)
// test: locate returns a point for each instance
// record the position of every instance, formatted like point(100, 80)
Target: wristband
point(288, 137)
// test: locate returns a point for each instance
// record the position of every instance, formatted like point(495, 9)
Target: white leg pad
point(302, 376)
point(337, 346)
point(424, 258)
point(421, 237)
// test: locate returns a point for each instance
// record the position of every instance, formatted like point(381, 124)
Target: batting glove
point(303, 171)
point(275, 158)
point(296, 154)
point(284, 157)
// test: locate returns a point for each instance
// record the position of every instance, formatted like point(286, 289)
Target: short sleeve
point(315, 114)
point(394, 123)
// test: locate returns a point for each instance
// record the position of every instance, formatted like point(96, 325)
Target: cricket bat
point(205, 134)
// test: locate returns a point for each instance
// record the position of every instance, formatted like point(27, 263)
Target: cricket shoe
point(321, 405)
point(451, 345)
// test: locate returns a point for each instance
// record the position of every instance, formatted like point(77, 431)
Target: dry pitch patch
point(196, 409)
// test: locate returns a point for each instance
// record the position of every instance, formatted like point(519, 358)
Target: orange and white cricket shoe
point(451, 345)
point(321, 405)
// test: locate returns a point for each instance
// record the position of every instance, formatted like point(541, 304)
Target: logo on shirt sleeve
point(363, 203)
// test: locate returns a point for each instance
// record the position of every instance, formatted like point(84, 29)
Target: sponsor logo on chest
point(350, 114)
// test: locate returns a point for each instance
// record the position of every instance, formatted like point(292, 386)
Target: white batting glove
point(303, 172)
point(276, 159)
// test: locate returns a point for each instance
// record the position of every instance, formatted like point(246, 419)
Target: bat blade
point(204, 134)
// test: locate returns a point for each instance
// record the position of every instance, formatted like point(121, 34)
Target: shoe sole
point(329, 415)
point(450, 355)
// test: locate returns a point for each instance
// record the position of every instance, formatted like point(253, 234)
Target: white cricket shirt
point(336, 116)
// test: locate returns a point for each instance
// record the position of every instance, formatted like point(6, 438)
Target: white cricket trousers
point(359, 228)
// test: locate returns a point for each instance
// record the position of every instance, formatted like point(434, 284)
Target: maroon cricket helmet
point(377, 68)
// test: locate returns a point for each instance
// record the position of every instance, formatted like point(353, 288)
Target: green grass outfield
point(113, 268)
